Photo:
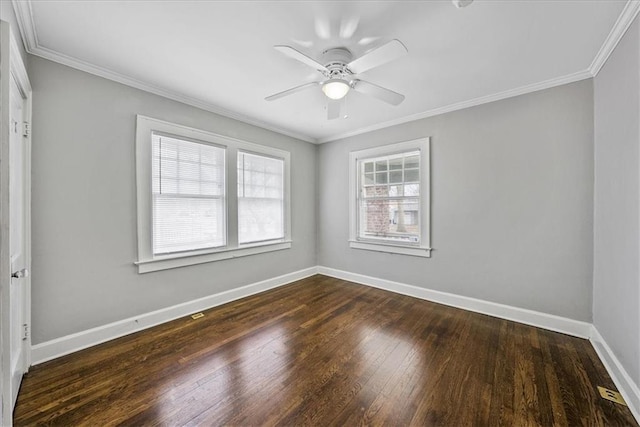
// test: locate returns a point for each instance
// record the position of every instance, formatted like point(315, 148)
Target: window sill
point(391, 249)
point(175, 261)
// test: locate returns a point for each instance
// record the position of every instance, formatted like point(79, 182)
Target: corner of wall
point(317, 202)
point(616, 132)
point(625, 384)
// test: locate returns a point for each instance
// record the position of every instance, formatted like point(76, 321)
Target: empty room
point(248, 213)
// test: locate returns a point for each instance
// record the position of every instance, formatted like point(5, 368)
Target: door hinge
point(26, 129)
point(25, 331)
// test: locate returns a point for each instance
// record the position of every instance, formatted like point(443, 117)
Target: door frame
point(12, 67)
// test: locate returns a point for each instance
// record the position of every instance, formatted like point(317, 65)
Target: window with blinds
point(204, 197)
point(188, 192)
point(260, 198)
point(389, 198)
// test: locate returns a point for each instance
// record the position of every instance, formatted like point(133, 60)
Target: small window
point(390, 198)
point(204, 197)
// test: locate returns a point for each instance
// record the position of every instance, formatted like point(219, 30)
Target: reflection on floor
point(323, 351)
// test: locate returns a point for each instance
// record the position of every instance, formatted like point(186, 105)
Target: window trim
point(424, 248)
point(147, 261)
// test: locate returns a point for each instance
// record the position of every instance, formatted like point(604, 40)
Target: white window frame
point(147, 260)
point(423, 249)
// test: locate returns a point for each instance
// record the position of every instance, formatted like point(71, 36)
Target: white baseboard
point(625, 384)
point(521, 315)
point(71, 343)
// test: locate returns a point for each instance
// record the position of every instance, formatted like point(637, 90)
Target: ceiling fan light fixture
point(461, 3)
point(335, 88)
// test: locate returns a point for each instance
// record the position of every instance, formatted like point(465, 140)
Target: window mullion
point(231, 193)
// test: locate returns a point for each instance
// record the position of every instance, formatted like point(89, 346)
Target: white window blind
point(188, 194)
point(389, 198)
point(260, 198)
point(190, 210)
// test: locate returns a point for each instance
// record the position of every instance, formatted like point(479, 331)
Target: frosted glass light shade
point(335, 88)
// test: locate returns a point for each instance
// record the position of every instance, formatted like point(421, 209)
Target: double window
point(204, 197)
point(390, 198)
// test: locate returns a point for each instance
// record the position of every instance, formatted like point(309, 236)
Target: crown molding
point(17, 68)
point(24, 16)
point(624, 21)
point(558, 81)
point(629, 12)
point(29, 35)
point(157, 90)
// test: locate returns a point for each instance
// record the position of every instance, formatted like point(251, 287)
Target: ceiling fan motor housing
point(336, 60)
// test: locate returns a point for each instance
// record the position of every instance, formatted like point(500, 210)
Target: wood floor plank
point(323, 351)
point(304, 389)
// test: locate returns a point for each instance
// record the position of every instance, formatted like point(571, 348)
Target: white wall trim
point(78, 341)
point(521, 315)
point(623, 381)
point(621, 26)
point(157, 90)
point(71, 343)
point(24, 16)
point(558, 81)
point(18, 70)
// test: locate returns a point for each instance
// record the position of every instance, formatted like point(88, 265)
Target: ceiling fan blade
point(381, 55)
point(291, 91)
point(383, 94)
point(333, 109)
point(299, 56)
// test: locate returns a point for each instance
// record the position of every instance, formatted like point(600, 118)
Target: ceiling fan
point(339, 71)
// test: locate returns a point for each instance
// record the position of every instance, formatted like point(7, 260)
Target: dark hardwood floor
point(323, 351)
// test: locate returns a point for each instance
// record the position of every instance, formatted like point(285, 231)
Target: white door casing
point(15, 221)
point(16, 238)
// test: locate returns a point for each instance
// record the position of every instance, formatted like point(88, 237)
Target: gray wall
point(512, 203)
point(616, 284)
point(84, 205)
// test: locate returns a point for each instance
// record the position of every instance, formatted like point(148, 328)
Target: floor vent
point(611, 395)
point(197, 316)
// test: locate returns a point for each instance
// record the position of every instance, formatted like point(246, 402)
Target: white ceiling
point(219, 54)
